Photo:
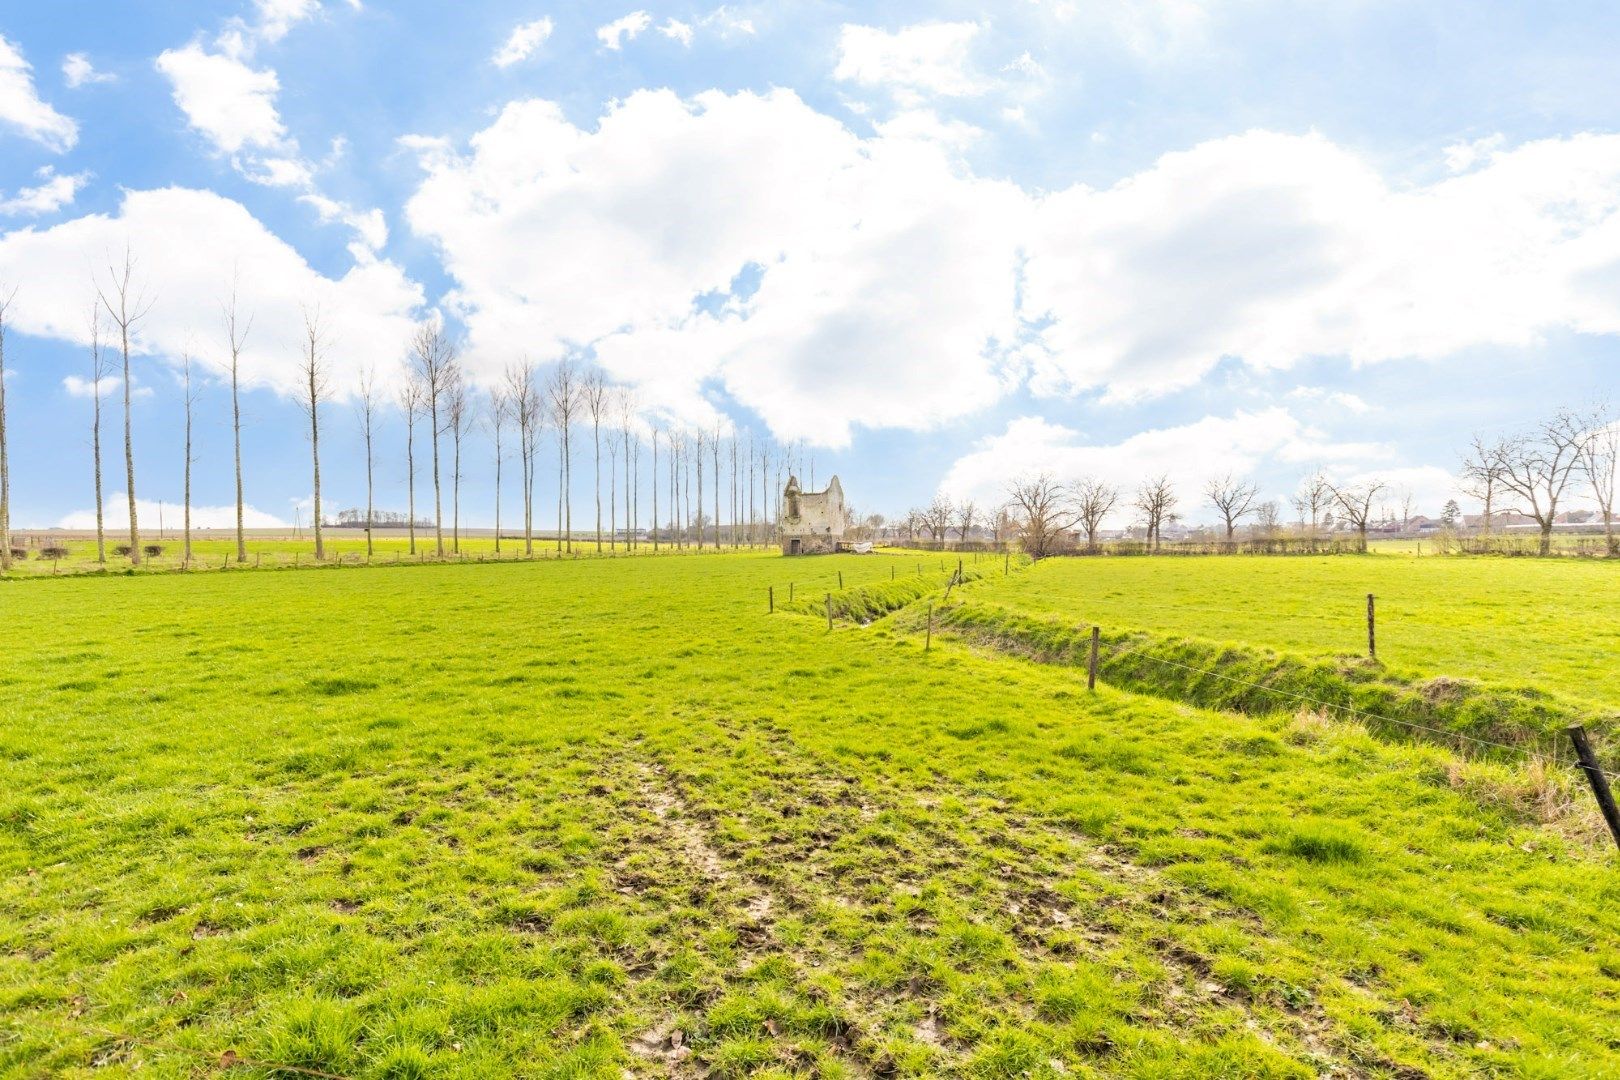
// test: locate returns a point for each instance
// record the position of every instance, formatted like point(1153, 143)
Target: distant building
point(813, 522)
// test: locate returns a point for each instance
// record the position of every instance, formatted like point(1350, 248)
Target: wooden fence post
point(958, 569)
point(829, 613)
point(770, 594)
point(891, 571)
point(840, 579)
point(790, 592)
point(1595, 777)
point(1091, 668)
point(1372, 627)
point(928, 642)
point(1006, 563)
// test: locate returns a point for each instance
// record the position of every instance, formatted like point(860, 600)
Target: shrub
point(19, 553)
point(152, 551)
point(53, 551)
point(122, 549)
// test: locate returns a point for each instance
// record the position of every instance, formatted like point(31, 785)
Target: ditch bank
point(867, 603)
point(1254, 681)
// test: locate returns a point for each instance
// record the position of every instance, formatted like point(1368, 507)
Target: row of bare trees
point(1534, 472)
point(441, 406)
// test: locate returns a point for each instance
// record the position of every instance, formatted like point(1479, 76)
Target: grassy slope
point(467, 820)
point(1553, 624)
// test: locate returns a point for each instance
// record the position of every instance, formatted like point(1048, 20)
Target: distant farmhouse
point(813, 522)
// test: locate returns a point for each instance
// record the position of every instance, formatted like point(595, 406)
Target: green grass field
point(598, 817)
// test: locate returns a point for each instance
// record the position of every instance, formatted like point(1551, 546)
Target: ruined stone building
point(813, 522)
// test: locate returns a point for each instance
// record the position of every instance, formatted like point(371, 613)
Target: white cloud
point(1189, 454)
point(224, 99)
point(83, 388)
point(522, 41)
point(929, 58)
point(885, 279)
point(276, 17)
point(21, 108)
point(677, 31)
point(1339, 399)
point(47, 197)
point(729, 22)
point(1273, 248)
point(621, 30)
point(116, 513)
point(79, 71)
point(188, 244)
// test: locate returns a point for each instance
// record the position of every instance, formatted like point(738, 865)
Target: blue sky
point(937, 245)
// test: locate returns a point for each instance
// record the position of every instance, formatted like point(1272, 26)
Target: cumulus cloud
point(116, 512)
point(927, 58)
point(47, 197)
point(188, 245)
point(748, 246)
point(223, 98)
point(522, 41)
point(1189, 454)
point(84, 388)
point(21, 108)
point(621, 30)
point(276, 17)
point(79, 71)
point(676, 30)
point(744, 243)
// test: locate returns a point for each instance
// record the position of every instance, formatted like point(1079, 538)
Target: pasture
point(608, 817)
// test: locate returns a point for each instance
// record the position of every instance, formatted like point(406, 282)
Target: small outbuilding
point(813, 522)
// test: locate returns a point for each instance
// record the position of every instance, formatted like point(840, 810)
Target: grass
point(583, 818)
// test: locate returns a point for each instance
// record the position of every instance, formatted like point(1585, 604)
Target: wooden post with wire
point(1091, 667)
point(1372, 627)
point(1595, 777)
point(1006, 563)
point(928, 641)
point(770, 596)
point(840, 579)
point(829, 613)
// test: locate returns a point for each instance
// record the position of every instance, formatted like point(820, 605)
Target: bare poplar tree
point(366, 407)
point(1233, 499)
point(523, 393)
point(655, 489)
point(126, 305)
point(698, 518)
point(1356, 502)
point(458, 413)
point(499, 412)
point(1539, 465)
point(1156, 500)
point(736, 497)
point(1042, 514)
point(433, 359)
point(714, 448)
point(313, 384)
point(190, 403)
point(7, 297)
point(593, 391)
point(1093, 501)
point(236, 334)
point(99, 370)
point(1600, 457)
point(613, 491)
point(563, 397)
point(410, 404)
point(627, 408)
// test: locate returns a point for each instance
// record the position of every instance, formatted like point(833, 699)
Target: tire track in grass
point(1029, 891)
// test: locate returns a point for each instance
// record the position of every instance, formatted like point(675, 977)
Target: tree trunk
point(371, 512)
point(596, 436)
point(438, 497)
point(129, 458)
point(655, 491)
point(1546, 536)
point(315, 459)
point(95, 445)
point(185, 546)
point(410, 481)
point(455, 496)
point(497, 492)
point(5, 464)
point(236, 432)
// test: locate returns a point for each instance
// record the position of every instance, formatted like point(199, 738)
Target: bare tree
point(714, 449)
point(937, 517)
point(1156, 499)
point(1093, 502)
point(190, 404)
point(433, 357)
point(236, 334)
point(1043, 513)
point(1539, 465)
point(366, 408)
point(7, 297)
point(698, 520)
point(1356, 501)
point(313, 385)
point(967, 515)
point(1407, 502)
point(626, 405)
point(1267, 519)
point(1600, 457)
point(99, 369)
point(498, 413)
point(563, 396)
point(126, 304)
point(523, 393)
point(410, 404)
point(1313, 497)
point(1233, 499)
point(593, 391)
point(1482, 475)
point(458, 413)
point(655, 489)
